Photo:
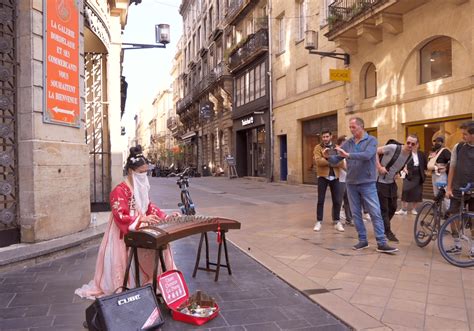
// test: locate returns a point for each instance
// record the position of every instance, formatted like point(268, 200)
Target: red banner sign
point(62, 100)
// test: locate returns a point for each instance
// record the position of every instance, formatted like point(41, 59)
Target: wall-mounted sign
point(61, 58)
point(340, 74)
point(247, 121)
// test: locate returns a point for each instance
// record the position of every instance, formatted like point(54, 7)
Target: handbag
point(432, 160)
point(132, 309)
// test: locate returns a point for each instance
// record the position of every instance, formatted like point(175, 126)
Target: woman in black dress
point(413, 182)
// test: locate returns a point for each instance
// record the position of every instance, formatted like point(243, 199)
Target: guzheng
point(174, 228)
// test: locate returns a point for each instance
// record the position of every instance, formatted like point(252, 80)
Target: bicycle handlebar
point(179, 174)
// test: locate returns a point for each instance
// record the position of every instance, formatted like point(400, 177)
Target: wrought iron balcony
point(254, 45)
point(341, 12)
point(345, 17)
point(204, 85)
point(221, 70)
point(235, 7)
point(183, 103)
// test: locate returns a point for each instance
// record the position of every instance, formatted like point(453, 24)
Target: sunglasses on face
point(410, 143)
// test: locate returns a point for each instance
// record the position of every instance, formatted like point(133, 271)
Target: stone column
point(117, 141)
point(53, 162)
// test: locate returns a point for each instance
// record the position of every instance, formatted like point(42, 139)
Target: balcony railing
point(254, 45)
point(342, 12)
point(183, 103)
point(234, 7)
point(204, 84)
point(221, 70)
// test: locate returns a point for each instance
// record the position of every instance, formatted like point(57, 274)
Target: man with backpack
point(394, 157)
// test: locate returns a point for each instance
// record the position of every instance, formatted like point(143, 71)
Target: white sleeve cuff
point(133, 226)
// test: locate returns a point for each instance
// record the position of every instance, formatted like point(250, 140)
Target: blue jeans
point(366, 194)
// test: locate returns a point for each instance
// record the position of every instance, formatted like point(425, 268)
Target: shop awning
point(188, 135)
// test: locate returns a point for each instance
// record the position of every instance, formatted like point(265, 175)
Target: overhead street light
point(311, 44)
point(162, 37)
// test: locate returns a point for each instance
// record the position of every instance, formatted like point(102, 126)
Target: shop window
point(370, 82)
point(252, 86)
point(436, 60)
point(300, 19)
point(262, 79)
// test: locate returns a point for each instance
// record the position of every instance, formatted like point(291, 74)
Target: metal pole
point(270, 45)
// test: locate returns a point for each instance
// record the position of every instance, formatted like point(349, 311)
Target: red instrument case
point(175, 292)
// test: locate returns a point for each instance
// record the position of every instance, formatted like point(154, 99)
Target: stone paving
point(253, 298)
point(415, 289)
point(412, 290)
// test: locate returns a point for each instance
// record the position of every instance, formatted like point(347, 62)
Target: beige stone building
point(411, 71)
point(205, 106)
point(305, 100)
point(161, 138)
point(51, 170)
point(173, 123)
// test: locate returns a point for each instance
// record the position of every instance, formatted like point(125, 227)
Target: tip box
point(175, 292)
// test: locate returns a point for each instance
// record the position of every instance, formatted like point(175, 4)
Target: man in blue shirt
point(360, 153)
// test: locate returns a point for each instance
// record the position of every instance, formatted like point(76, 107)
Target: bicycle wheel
point(425, 223)
point(188, 203)
point(455, 240)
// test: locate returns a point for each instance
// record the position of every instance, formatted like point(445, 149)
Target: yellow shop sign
point(340, 74)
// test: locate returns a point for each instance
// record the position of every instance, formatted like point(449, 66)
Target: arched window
point(370, 82)
point(436, 60)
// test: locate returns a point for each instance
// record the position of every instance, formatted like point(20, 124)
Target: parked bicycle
point(186, 205)
point(456, 242)
point(428, 220)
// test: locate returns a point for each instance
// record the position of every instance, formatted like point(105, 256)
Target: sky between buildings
point(147, 71)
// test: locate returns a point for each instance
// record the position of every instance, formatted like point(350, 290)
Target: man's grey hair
point(358, 120)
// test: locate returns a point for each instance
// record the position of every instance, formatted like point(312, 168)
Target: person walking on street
point(394, 159)
point(413, 178)
point(460, 174)
point(360, 153)
point(327, 176)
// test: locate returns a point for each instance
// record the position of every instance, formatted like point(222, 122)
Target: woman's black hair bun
point(134, 151)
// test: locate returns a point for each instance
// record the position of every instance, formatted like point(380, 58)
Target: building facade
point(47, 163)
point(247, 58)
point(162, 141)
point(205, 107)
point(173, 122)
point(411, 72)
point(305, 100)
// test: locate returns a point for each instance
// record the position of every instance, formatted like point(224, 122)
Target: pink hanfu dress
point(112, 257)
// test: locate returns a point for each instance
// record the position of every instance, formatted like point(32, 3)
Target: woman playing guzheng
point(131, 209)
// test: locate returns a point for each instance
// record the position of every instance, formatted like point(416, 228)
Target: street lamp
point(311, 44)
point(162, 37)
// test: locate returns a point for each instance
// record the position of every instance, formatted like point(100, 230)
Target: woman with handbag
point(131, 209)
point(413, 178)
point(438, 163)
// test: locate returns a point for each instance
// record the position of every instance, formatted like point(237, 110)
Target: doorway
point(283, 158)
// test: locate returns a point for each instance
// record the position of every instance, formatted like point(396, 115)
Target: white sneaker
point(317, 227)
point(401, 212)
point(338, 226)
point(342, 215)
point(414, 212)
